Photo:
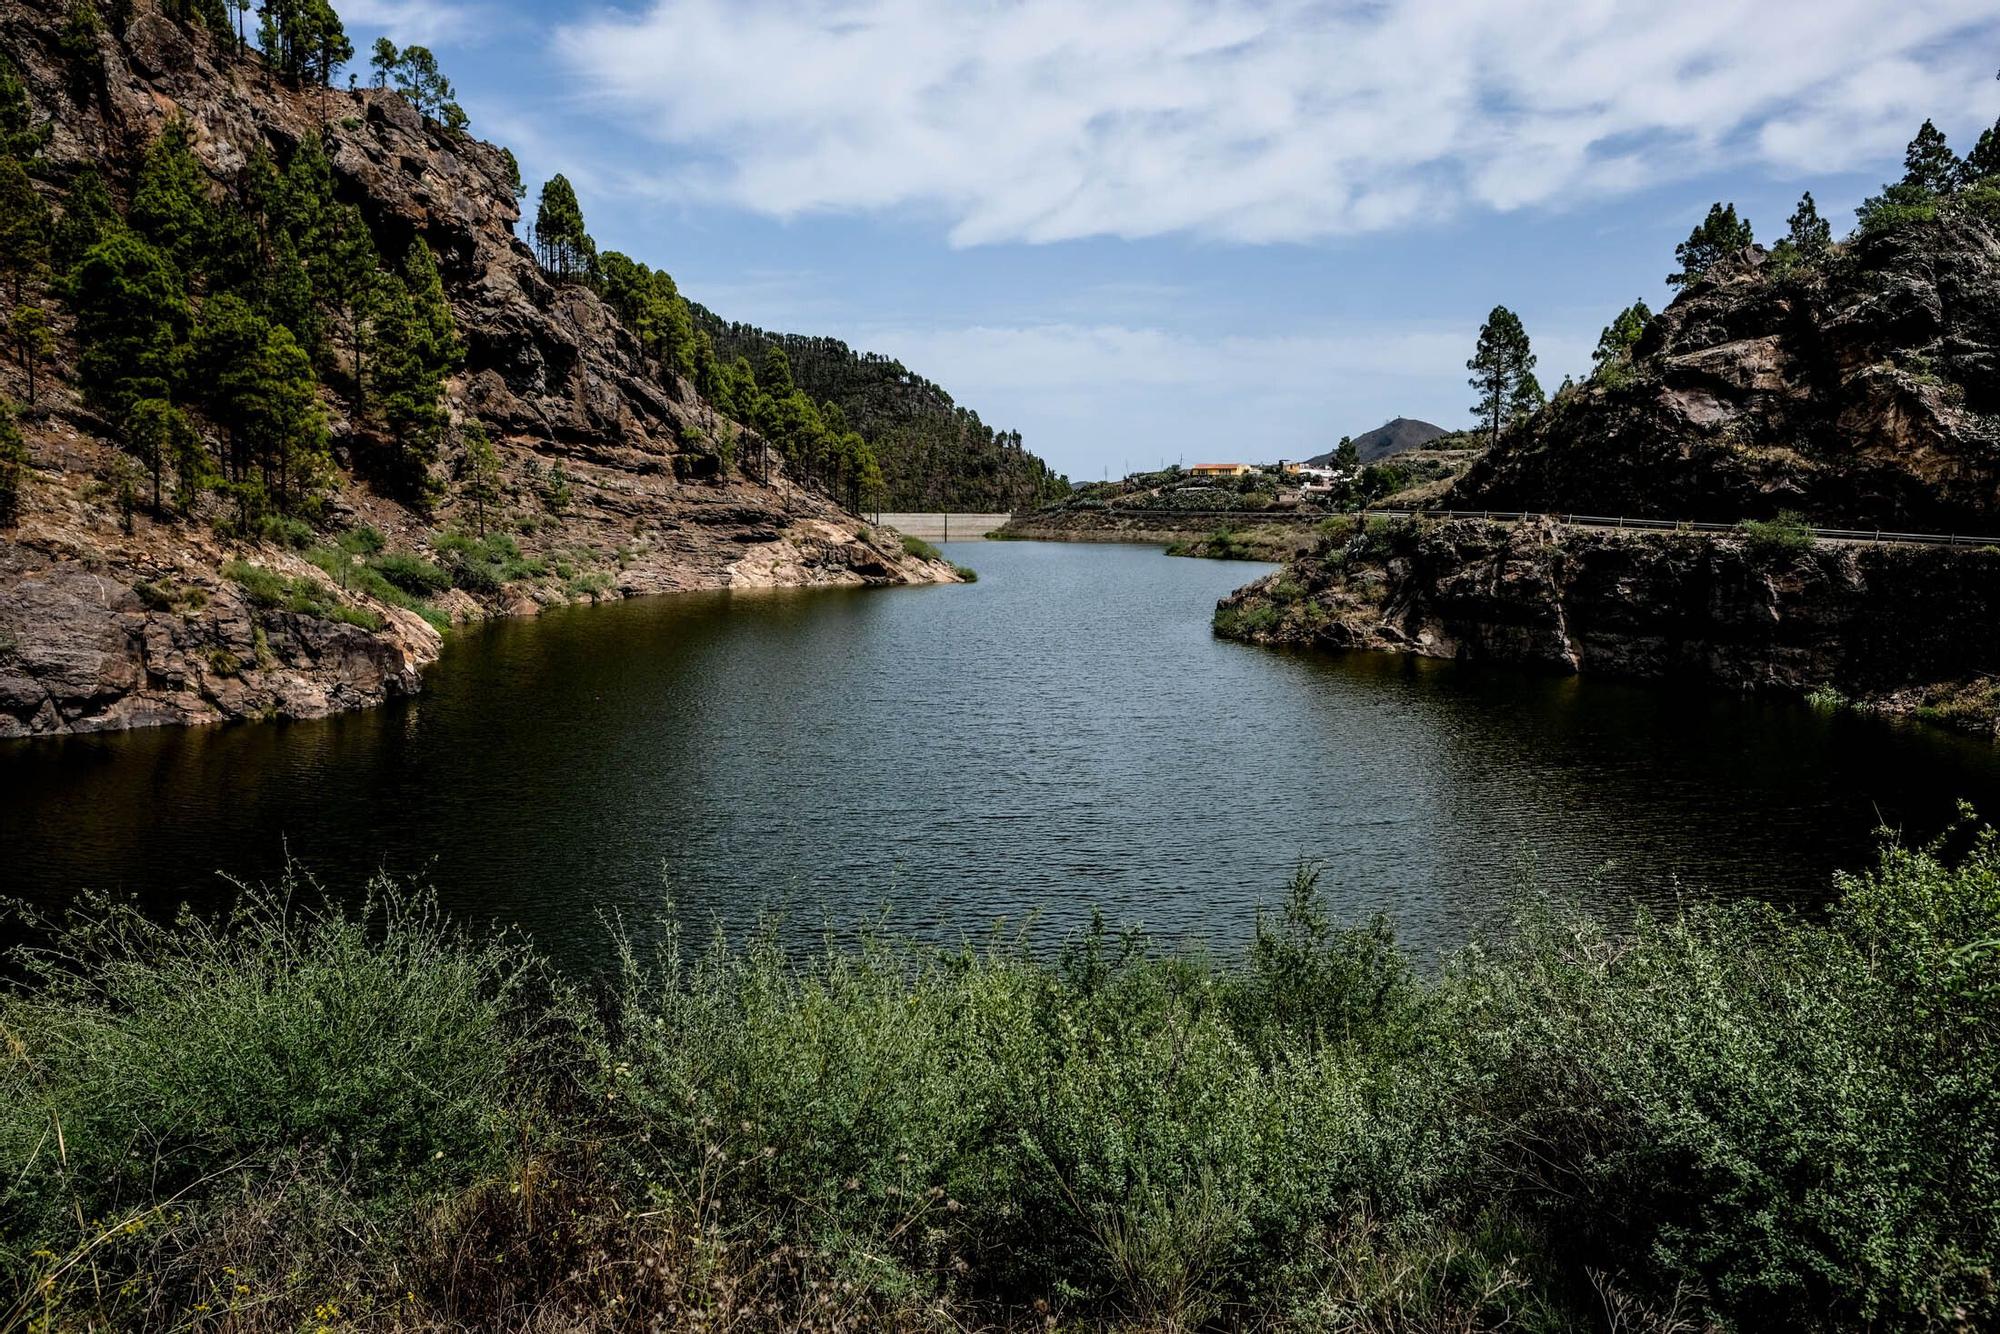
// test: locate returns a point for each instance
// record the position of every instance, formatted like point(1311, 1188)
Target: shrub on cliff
point(1787, 535)
point(920, 549)
point(411, 573)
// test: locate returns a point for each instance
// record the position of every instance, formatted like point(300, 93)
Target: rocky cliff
point(615, 476)
point(1862, 390)
point(1903, 628)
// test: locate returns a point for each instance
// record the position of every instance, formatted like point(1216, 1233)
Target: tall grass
point(1732, 1118)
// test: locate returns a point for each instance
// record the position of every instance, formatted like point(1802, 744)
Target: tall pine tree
point(13, 463)
point(170, 203)
point(1810, 234)
point(1615, 344)
point(131, 320)
point(21, 135)
point(561, 241)
point(1929, 164)
point(1719, 235)
point(1502, 367)
point(26, 229)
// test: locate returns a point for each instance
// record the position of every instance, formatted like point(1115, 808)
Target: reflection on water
point(1064, 734)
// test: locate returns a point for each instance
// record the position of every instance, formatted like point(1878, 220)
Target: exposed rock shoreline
point(103, 631)
point(1901, 630)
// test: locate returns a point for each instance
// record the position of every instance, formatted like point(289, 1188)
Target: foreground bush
point(1735, 1119)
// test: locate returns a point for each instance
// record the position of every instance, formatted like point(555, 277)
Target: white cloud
point(1259, 120)
point(422, 22)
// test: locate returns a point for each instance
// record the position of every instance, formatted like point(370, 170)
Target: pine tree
point(303, 205)
point(20, 135)
point(87, 217)
point(227, 347)
point(149, 433)
point(26, 229)
point(480, 484)
point(1810, 235)
point(438, 331)
point(328, 48)
point(419, 78)
point(33, 341)
point(383, 59)
point(170, 203)
point(210, 14)
point(563, 245)
point(157, 433)
point(1347, 456)
point(78, 47)
point(286, 424)
point(193, 473)
point(1983, 162)
point(1929, 164)
point(775, 376)
point(347, 281)
point(1502, 364)
point(13, 463)
point(131, 320)
point(303, 39)
point(408, 387)
point(1527, 397)
point(285, 295)
point(1622, 334)
point(514, 174)
point(1720, 235)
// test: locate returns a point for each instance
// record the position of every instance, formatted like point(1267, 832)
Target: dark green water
point(1063, 735)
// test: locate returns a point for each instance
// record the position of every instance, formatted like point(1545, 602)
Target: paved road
point(1865, 535)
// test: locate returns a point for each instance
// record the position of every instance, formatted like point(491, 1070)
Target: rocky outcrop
point(1904, 627)
point(1862, 390)
point(113, 619)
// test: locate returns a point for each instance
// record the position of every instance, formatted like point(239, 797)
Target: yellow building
point(1221, 470)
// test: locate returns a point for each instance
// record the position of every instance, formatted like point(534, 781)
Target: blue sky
point(1142, 231)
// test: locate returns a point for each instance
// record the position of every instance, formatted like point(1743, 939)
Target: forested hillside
point(287, 394)
point(933, 453)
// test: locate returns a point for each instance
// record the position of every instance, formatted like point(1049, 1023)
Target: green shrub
point(363, 540)
point(1735, 1118)
point(411, 573)
point(361, 616)
point(1246, 620)
point(484, 565)
point(200, 1071)
point(1787, 535)
point(589, 586)
point(267, 588)
point(966, 574)
point(920, 549)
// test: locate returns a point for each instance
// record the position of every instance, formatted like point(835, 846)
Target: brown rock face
point(102, 629)
point(1874, 622)
point(1863, 391)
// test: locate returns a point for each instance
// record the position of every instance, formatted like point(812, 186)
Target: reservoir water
point(1063, 735)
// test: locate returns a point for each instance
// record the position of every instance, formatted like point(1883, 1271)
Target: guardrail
point(1574, 520)
point(1696, 526)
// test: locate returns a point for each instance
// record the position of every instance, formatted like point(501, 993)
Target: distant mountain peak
point(1399, 435)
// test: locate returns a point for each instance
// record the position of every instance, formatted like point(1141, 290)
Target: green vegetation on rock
point(922, 550)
